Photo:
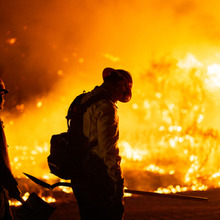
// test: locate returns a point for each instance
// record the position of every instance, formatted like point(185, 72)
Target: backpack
point(68, 150)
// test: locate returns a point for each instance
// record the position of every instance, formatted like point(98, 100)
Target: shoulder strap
point(75, 103)
point(91, 100)
point(83, 107)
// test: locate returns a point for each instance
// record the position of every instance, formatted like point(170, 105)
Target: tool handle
point(174, 196)
point(60, 184)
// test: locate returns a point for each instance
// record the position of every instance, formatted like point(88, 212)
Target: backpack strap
point(83, 107)
point(92, 100)
point(75, 103)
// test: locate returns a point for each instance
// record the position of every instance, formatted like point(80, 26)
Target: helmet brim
point(124, 74)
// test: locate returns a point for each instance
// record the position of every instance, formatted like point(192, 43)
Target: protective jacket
point(100, 126)
point(7, 179)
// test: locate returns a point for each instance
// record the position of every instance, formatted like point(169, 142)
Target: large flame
point(169, 132)
point(166, 145)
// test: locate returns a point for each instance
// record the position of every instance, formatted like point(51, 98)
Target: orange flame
point(166, 136)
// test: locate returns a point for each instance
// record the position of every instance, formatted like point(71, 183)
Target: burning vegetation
point(171, 141)
point(166, 145)
point(169, 132)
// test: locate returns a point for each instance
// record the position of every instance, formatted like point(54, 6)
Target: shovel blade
point(35, 208)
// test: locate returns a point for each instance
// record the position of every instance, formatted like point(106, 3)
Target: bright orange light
point(213, 72)
point(11, 41)
point(161, 132)
point(39, 104)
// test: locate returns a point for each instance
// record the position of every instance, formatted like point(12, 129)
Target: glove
point(118, 190)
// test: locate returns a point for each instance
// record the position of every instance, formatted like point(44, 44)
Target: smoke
point(55, 39)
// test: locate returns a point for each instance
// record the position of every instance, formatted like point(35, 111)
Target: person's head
point(119, 82)
point(3, 91)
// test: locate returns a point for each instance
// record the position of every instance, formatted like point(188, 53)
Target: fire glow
point(48, 199)
point(166, 140)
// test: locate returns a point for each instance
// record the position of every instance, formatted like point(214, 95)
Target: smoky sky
point(47, 39)
point(67, 36)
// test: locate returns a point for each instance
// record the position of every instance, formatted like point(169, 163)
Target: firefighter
point(7, 180)
point(99, 192)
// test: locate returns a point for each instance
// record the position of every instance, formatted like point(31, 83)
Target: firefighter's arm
point(10, 184)
point(12, 188)
point(108, 134)
point(8, 181)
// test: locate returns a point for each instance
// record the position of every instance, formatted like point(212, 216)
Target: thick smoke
point(54, 39)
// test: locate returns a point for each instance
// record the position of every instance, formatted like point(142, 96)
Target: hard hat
point(125, 74)
point(127, 78)
point(2, 87)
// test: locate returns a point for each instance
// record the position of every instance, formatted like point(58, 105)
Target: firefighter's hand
point(118, 190)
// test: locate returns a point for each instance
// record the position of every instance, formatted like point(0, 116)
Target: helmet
point(2, 87)
point(125, 74)
point(127, 79)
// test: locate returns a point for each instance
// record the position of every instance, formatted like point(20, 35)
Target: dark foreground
point(147, 207)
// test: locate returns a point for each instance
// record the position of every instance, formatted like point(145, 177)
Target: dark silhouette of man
point(7, 180)
point(99, 192)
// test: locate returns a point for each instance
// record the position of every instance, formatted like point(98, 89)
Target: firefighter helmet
point(127, 79)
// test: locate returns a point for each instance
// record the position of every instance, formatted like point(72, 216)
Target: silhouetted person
point(99, 192)
point(7, 180)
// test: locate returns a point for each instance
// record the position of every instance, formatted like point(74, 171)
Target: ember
point(11, 41)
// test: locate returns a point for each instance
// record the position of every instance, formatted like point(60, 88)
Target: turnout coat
point(100, 126)
point(7, 179)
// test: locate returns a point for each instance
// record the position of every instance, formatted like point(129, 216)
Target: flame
point(47, 199)
point(154, 168)
point(166, 137)
point(213, 80)
point(190, 61)
point(129, 153)
point(17, 203)
point(169, 132)
point(127, 194)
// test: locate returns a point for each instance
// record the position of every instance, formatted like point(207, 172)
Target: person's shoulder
point(100, 96)
point(106, 107)
point(101, 101)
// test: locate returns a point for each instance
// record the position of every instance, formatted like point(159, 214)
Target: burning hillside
point(167, 145)
point(169, 132)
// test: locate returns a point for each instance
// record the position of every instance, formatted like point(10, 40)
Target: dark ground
point(148, 207)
